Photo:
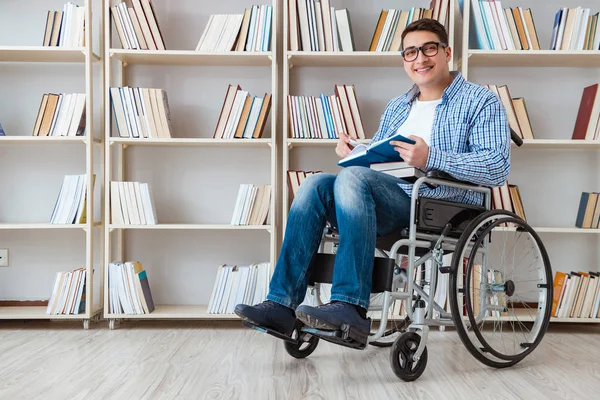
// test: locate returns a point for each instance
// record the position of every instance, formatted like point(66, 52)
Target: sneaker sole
point(270, 331)
point(315, 323)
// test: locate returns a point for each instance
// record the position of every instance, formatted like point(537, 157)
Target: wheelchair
point(499, 284)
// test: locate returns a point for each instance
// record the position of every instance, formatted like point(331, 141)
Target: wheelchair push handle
point(515, 138)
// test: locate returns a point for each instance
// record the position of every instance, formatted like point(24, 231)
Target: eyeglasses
point(429, 49)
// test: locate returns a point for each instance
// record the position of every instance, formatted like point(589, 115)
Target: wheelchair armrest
point(437, 174)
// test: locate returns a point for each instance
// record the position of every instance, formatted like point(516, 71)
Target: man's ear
point(448, 53)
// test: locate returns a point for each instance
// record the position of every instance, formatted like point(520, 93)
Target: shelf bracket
point(270, 57)
point(125, 146)
point(290, 145)
point(270, 144)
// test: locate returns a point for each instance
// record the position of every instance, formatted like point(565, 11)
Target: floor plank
point(216, 360)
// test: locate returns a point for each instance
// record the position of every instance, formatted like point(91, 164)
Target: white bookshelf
point(28, 54)
point(552, 156)
point(207, 75)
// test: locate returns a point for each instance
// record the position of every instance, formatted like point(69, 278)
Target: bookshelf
point(194, 177)
point(551, 81)
point(34, 166)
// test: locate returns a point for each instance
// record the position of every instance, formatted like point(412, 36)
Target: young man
point(459, 128)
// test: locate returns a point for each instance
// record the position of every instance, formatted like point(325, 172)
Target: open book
point(378, 152)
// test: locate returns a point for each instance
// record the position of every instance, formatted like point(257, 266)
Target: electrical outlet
point(3, 257)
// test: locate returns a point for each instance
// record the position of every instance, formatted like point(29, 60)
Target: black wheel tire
point(302, 349)
point(457, 314)
point(403, 350)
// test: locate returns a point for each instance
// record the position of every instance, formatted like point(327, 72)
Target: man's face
point(426, 70)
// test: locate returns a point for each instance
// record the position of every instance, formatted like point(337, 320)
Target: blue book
point(2, 133)
point(381, 151)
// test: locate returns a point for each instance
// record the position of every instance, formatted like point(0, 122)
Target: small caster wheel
point(305, 345)
point(86, 324)
point(111, 324)
point(401, 357)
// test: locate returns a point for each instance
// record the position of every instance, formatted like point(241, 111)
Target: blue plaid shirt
point(470, 138)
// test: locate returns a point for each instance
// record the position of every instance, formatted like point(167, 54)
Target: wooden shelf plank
point(534, 58)
point(43, 54)
point(191, 142)
point(42, 139)
point(192, 227)
point(317, 142)
point(16, 226)
point(344, 59)
point(559, 144)
point(177, 312)
point(34, 312)
point(189, 57)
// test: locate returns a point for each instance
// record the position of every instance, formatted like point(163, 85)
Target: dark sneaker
point(332, 316)
point(270, 315)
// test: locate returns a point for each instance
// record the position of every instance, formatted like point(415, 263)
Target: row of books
point(68, 293)
point(575, 29)
point(70, 206)
point(497, 28)
point(141, 112)
point(61, 114)
point(2, 132)
point(239, 284)
point(295, 179)
point(508, 197)
point(516, 111)
point(128, 288)
point(576, 295)
point(137, 26)
point(132, 203)
point(252, 205)
point(325, 116)
point(392, 22)
point(314, 25)
point(588, 213)
point(250, 31)
point(242, 115)
point(587, 124)
point(65, 28)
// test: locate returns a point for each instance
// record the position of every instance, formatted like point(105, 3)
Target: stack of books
point(316, 26)
point(61, 114)
point(587, 123)
point(242, 116)
point(128, 288)
point(141, 112)
point(576, 295)
point(65, 28)
point(70, 206)
point(391, 23)
point(325, 116)
point(250, 31)
point(239, 284)
point(497, 28)
point(132, 203)
point(295, 179)
point(588, 214)
point(518, 118)
point(68, 293)
point(252, 205)
point(575, 29)
point(137, 26)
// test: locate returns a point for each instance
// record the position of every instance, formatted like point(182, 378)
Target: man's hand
point(415, 155)
point(343, 147)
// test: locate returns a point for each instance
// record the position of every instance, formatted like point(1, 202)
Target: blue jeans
point(361, 203)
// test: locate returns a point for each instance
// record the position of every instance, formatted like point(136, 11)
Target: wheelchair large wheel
point(500, 288)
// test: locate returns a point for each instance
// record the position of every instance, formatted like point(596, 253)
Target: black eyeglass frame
point(420, 49)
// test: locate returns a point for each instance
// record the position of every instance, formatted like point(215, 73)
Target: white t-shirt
point(420, 119)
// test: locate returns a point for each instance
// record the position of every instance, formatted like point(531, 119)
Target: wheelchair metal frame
point(417, 240)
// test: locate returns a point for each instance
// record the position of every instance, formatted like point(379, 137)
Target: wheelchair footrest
point(347, 336)
point(270, 332)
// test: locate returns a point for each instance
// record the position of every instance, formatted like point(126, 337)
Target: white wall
point(191, 185)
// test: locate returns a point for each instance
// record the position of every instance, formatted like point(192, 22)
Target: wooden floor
point(209, 360)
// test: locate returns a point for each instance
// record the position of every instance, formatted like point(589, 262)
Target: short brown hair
point(426, 24)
